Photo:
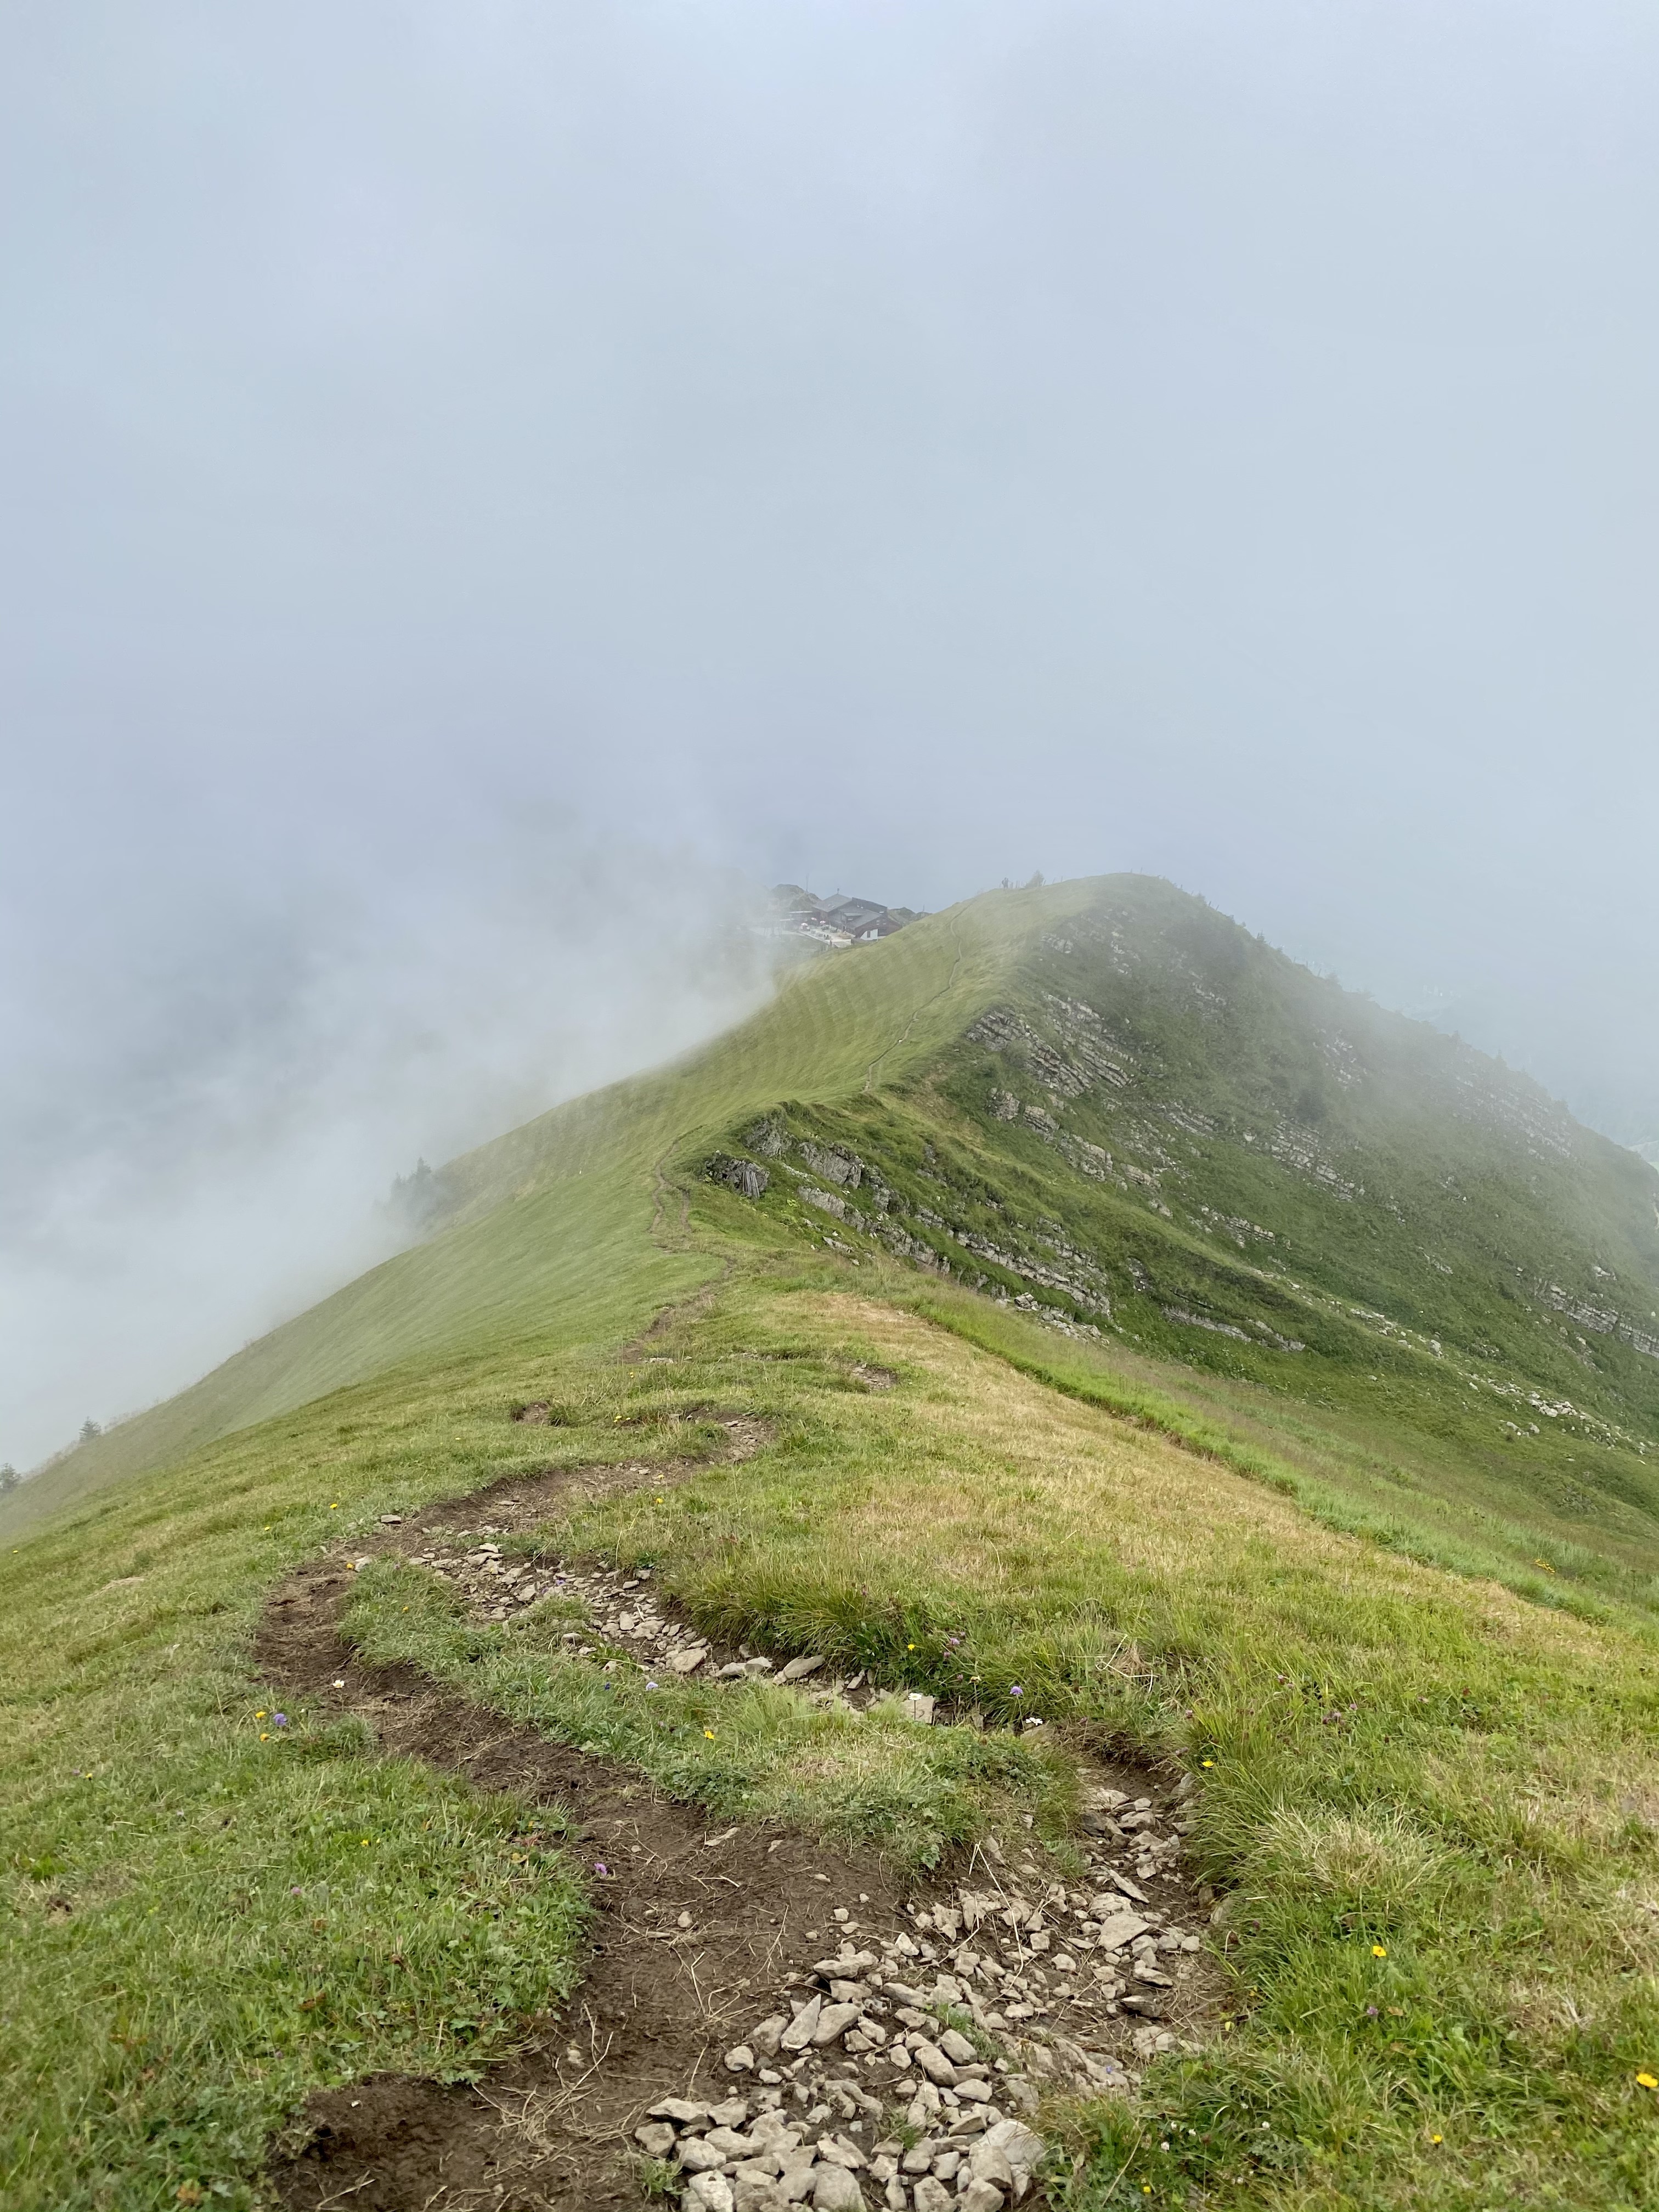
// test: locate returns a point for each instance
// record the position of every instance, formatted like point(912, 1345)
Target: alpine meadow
point(1032, 1579)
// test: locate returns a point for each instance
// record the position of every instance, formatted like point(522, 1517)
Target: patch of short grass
point(205, 1912)
point(750, 1751)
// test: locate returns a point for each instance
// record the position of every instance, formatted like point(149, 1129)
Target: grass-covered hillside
point(1129, 1332)
point(1167, 1138)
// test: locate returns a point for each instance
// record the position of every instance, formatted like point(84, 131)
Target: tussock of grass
point(747, 1751)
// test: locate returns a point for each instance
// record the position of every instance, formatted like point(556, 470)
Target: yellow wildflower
point(1647, 2081)
point(1378, 1952)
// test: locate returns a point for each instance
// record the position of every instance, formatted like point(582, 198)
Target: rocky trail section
point(760, 2022)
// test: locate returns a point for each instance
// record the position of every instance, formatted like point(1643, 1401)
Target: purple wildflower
point(599, 1867)
point(279, 1720)
point(1015, 1690)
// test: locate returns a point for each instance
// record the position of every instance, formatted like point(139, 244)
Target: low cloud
point(199, 1150)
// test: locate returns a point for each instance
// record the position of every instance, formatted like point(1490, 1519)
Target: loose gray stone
point(798, 1669)
point(840, 2152)
point(956, 2047)
point(1119, 1928)
point(655, 2138)
point(980, 2197)
point(756, 2192)
point(835, 2190)
point(709, 2192)
point(795, 2182)
point(989, 2162)
point(698, 2155)
point(934, 2063)
point(833, 2020)
point(740, 2059)
point(901, 1993)
point(933, 2197)
point(730, 2144)
point(680, 2110)
point(801, 2029)
point(1020, 2145)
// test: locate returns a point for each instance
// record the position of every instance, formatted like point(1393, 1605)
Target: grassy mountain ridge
point(1164, 1134)
point(1047, 1318)
point(1238, 1156)
point(526, 1219)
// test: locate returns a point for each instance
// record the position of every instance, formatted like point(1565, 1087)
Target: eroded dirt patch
point(657, 2002)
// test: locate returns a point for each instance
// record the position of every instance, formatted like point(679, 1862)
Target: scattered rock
point(835, 2190)
point(698, 2155)
point(934, 2063)
point(980, 2197)
point(801, 2029)
point(1071, 1987)
point(834, 2020)
point(1021, 2146)
point(747, 1177)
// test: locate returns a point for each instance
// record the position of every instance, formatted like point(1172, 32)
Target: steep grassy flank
point(537, 1221)
point(1163, 1137)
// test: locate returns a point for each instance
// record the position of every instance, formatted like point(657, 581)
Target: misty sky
point(476, 480)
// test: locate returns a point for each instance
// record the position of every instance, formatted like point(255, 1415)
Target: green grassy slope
point(1150, 1129)
point(531, 1230)
point(1165, 1139)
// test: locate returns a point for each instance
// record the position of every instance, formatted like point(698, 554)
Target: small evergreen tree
point(89, 1428)
point(9, 1479)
